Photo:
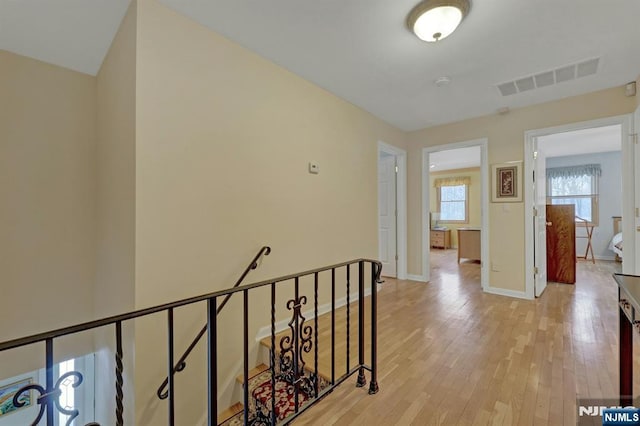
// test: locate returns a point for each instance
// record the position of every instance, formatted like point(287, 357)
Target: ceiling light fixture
point(433, 20)
point(442, 81)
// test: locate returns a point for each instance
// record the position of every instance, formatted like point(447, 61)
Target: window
point(453, 199)
point(575, 185)
point(67, 395)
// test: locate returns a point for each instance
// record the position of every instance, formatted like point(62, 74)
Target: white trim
point(401, 194)
point(484, 212)
point(599, 257)
point(419, 278)
point(630, 227)
point(508, 293)
point(627, 186)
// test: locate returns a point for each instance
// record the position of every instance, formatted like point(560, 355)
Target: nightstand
point(441, 238)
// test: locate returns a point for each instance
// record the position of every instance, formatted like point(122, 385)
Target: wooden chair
point(584, 223)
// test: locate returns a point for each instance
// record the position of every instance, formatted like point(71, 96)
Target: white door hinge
point(535, 212)
point(396, 169)
point(535, 270)
point(634, 137)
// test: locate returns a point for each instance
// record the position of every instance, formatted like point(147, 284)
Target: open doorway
point(581, 166)
point(392, 210)
point(455, 226)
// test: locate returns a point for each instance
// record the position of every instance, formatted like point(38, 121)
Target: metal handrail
point(182, 364)
point(53, 334)
point(300, 335)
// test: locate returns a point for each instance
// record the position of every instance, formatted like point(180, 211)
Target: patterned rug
point(260, 399)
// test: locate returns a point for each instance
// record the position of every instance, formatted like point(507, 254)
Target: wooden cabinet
point(441, 238)
point(469, 244)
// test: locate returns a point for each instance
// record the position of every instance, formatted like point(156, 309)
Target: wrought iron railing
point(287, 365)
point(182, 362)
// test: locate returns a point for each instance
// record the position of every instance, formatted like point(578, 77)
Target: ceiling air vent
point(587, 68)
point(565, 74)
point(545, 79)
point(508, 88)
point(549, 78)
point(525, 84)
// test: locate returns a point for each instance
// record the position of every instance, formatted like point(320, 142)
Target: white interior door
point(540, 220)
point(387, 215)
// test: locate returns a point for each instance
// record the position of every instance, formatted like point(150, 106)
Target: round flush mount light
point(434, 20)
point(442, 81)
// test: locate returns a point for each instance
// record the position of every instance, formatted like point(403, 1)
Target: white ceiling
point(460, 158)
point(74, 34)
point(362, 51)
point(588, 141)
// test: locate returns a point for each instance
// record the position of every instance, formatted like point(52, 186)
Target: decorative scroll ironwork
point(289, 351)
point(52, 396)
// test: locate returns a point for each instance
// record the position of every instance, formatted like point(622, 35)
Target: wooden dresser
point(441, 238)
point(469, 244)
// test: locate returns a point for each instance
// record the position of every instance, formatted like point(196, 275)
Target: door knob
point(549, 223)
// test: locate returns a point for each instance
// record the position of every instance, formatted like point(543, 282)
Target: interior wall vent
point(549, 78)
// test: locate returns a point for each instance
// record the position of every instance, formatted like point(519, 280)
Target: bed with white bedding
point(616, 244)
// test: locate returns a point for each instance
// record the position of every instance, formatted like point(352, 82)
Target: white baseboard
point(603, 258)
point(506, 292)
point(419, 278)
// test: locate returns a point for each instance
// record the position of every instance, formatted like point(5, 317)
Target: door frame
point(625, 121)
point(484, 207)
point(401, 204)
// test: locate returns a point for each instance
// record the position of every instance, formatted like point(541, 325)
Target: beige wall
point(115, 221)
point(47, 169)
point(475, 206)
point(223, 142)
point(116, 89)
point(506, 142)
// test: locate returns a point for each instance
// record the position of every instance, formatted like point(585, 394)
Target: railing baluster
point(49, 379)
point(273, 354)
point(212, 361)
point(361, 379)
point(296, 348)
point(119, 380)
point(373, 385)
point(348, 315)
point(182, 363)
point(333, 326)
point(301, 341)
point(315, 344)
point(245, 368)
point(170, 371)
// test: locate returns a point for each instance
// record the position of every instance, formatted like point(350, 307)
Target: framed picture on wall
point(7, 392)
point(506, 182)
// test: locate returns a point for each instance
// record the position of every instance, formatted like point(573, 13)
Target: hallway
point(450, 354)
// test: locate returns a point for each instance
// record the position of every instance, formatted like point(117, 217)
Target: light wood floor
point(450, 354)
